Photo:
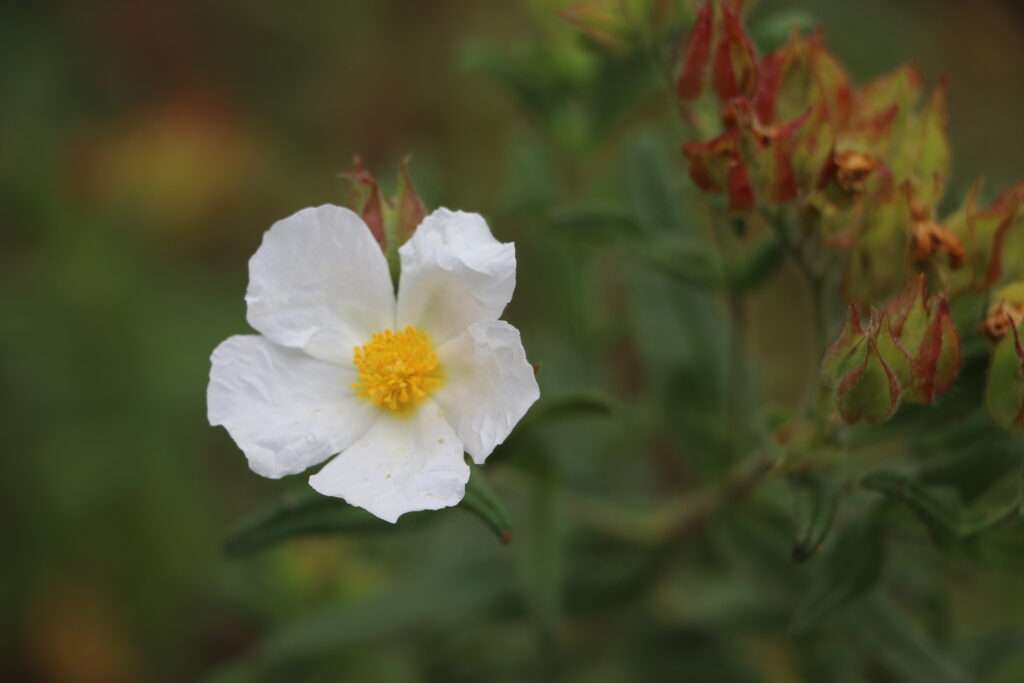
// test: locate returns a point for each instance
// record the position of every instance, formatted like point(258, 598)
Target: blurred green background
point(145, 147)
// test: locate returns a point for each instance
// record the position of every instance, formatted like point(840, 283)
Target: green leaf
point(938, 516)
point(305, 513)
point(594, 222)
point(482, 501)
point(852, 568)
point(568, 406)
point(686, 261)
point(888, 636)
point(541, 557)
point(651, 185)
point(308, 513)
point(943, 520)
point(815, 502)
point(441, 596)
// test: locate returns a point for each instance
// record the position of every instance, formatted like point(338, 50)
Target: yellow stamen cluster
point(397, 370)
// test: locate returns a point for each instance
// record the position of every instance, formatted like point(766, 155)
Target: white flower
point(397, 390)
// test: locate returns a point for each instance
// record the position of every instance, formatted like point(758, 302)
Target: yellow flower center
point(397, 370)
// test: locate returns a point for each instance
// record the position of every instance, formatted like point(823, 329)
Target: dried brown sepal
point(929, 238)
point(852, 169)
point(1001, 318)
point(1006, 311)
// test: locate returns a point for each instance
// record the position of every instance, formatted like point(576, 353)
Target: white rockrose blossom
point(395, 389)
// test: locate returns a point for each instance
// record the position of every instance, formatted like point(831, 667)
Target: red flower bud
point(695, 55)
point(735, 64)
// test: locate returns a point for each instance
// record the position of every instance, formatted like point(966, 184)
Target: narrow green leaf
point(594, 222)
point(938, 516)
point(686, 261)
point(888, 636)
point(308, 513)
point(440, 595)
point(541, 557)
point(482, 501)
point(943, 520)
point(853, 567)
point(651, 185)
point(305, 513)
point(568, 406)
point(815, 502)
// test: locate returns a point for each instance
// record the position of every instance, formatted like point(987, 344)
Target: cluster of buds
point(866, 166)
point(392, 221)
point(909, 351)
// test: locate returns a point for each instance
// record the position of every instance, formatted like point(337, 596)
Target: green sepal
point(870, 391)
point(1004, 395)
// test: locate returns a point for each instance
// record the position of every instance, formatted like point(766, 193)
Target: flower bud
point(924, 329)
point(1004, 395)
point(867, 388)
point(391, 222)
point(869, 391)
point(984, 233)
point(696, 55)
point(735, 62)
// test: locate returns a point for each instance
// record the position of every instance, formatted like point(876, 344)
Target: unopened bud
point(924, 330)
point(1004, 395)
point(870, 391)
point(391, 222)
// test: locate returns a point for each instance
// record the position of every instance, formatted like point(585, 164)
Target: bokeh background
point(145, 147)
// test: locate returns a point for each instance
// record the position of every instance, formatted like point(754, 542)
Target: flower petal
point(489, 385)
point(319, 282)
point(285, 410)
point(454, 273)
point(404, 463)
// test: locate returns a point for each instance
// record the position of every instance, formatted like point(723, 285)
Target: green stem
point(737, 371)
point(813, 278)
